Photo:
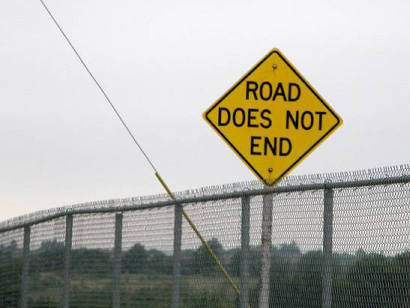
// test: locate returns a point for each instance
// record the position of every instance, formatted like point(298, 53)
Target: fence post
point(26, 267)
point(327, 248)
point(176, 271)
point(67, 260)
point(266, 250)
point(116, 273)
point(244, 270)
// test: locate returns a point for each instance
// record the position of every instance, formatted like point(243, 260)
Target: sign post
point(272, 118)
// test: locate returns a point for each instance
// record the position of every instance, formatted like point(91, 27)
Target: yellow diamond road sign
point(272, 118)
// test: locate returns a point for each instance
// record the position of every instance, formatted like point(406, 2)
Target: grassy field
point(137, 290)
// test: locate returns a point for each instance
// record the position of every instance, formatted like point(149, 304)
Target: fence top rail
point(356, 179)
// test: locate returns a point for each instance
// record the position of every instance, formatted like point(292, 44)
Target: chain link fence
point(338, 240)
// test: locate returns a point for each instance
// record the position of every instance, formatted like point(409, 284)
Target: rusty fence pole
point(26, 267)
point(327, 248)
point(244, 270)
point(176, 270)
point(67, 260)
point(116, 271)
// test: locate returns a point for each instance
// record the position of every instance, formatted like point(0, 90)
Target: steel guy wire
point(208, 248)
point(99, 86)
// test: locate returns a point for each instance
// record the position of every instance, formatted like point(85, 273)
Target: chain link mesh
point(46, 263)
point(202, 283)
point(146, 279)
point(372, 247)
point(370, 262)
point(91, 260)
point(11, 253)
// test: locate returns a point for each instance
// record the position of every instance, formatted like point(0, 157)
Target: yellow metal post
point(204, 243)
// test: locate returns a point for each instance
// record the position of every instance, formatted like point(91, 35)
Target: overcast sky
point(163, 63)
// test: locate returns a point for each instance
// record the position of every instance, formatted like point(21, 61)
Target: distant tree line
point(359, 280)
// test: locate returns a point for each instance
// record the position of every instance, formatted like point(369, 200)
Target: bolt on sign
point(272, 118)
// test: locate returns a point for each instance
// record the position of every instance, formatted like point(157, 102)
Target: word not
point(305, 120)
